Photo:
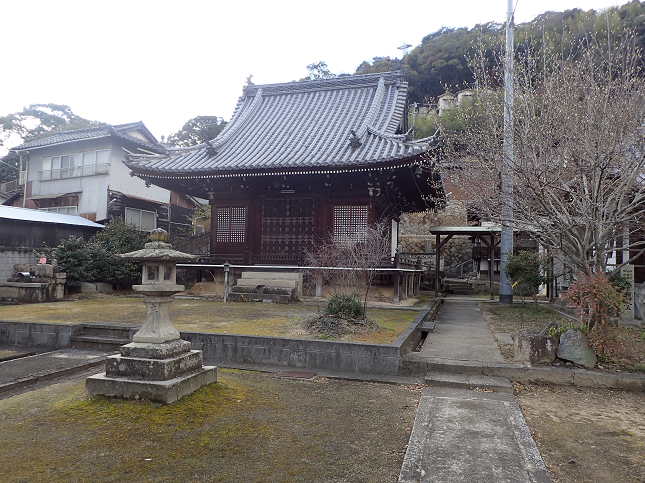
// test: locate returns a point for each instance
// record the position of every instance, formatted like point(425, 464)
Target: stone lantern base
point(162, 373)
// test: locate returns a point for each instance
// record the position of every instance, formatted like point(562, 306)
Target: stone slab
point(254, 282)
point(153, 369)
point(165, 392)
point(461, 435)
point(469, 381)
point(146, 350)
point(25, 371)
point(273, 275)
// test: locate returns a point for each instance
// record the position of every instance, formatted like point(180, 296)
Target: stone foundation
point(158, 372)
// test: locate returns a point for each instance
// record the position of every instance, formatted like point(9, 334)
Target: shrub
point(345, 305)
point(558, 330)
point(74, 257)
point(527, 269)
point(595, 299)
point(93, 260)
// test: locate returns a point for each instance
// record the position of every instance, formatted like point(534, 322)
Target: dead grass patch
point(270, 320)
point(585, 434)
point(248, 427)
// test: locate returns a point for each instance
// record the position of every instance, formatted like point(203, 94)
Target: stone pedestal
point(157, 365)
point(158, 372)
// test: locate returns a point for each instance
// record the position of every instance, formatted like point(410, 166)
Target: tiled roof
point(118, 130)
point(348, 121)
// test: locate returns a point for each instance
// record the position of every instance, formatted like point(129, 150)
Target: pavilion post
point(437, 249)
point(491, 266)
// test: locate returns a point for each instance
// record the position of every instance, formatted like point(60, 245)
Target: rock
point(533, 348)
point(43, 270)
point(574, 347)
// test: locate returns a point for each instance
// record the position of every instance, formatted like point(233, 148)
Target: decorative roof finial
point(249, 82)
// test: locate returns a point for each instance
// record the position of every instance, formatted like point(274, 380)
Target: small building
point(24, 231)
point(448, 100)
point(82, 173)
point(301, 161)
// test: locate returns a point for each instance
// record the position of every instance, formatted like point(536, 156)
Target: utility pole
point(506, 243)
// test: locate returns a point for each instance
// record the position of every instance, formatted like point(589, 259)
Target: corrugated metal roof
point(92, 133)
point(25, 214)
point(347, 121)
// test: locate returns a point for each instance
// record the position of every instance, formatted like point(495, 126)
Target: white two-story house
point(82, 173)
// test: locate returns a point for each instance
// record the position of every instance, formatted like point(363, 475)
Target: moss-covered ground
point(248, 427)
point(274, 320)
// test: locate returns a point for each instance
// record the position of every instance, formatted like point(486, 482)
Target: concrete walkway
point(461, 435)
point(461, 334)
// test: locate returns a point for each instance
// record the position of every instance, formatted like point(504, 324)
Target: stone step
point(109, 331)
point(468, 381)
point(95, 343)
point(254, 282)
point(426, 326)
point(266, 290)
point(255, 297)
point(244, 297)
point(272, 276)
point(451, 366)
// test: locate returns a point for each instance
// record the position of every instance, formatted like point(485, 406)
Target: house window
point(75, 165)
point(350, 223)
point(231, 224)
point(142, 219)
point(66, 210)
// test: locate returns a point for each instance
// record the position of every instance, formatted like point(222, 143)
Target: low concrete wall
point(33, 334)
point(297, 353)
point(248, 349)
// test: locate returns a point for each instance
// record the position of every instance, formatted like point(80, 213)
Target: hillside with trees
point(440, 62)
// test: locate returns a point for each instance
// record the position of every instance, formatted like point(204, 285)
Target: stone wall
point(415, 238)
point(10, 256)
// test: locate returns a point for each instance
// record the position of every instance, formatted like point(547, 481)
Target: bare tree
point(579, 136)
point(347, 262)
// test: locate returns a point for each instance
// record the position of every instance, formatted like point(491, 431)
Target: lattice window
point(231, 224)
point(350, 223)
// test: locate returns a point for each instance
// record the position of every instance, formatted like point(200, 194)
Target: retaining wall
point(248, 349)
point(33, 334)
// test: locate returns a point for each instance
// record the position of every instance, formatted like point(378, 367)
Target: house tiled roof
point(348, 121)
point(118, 131)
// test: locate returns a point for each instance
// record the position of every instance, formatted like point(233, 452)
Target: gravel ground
point(585, 434)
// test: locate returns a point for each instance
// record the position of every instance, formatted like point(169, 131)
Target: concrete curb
point(414, 364)
point(48, 375)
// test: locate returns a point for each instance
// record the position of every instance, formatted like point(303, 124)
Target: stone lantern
point(157, 365)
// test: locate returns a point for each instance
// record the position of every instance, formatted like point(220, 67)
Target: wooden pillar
point(397, 278)
point(405, 285)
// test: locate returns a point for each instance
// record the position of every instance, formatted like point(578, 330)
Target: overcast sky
point(165, 62)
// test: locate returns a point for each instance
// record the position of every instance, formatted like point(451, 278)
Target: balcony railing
point(74, 172)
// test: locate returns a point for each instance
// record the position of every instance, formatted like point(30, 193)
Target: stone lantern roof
point(157, 250)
